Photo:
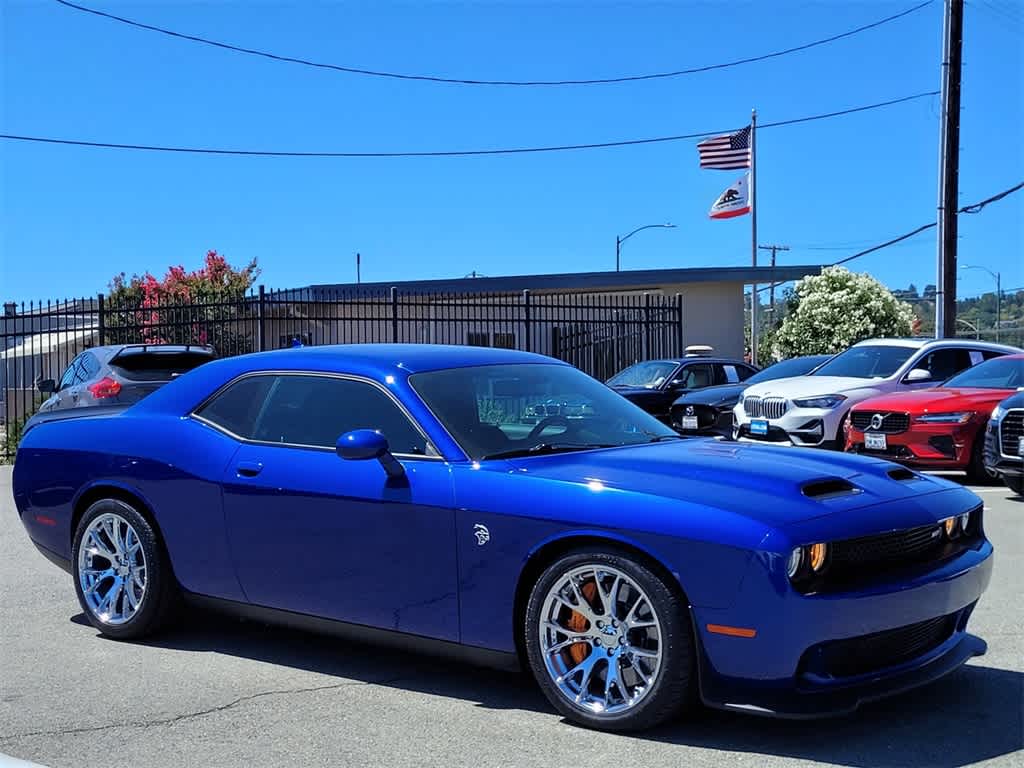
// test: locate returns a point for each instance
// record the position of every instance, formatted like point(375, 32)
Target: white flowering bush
point(831, 311)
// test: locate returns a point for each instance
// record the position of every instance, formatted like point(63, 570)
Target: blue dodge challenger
point(509, 509)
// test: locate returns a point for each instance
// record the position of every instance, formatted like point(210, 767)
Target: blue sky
point(71, 218)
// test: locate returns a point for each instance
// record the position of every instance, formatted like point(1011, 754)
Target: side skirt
point(481, 657)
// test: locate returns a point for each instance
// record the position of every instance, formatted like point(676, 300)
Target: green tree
point(827, 313)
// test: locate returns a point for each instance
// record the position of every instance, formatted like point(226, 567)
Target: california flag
point(733, 202)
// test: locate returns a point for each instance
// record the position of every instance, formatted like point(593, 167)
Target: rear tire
point(598, 613)
point(121, 571)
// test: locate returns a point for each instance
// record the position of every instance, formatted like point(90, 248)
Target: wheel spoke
point(573, 640)
point(613, 678)
point(608, 598)
point(582, 605)
point(99, 547)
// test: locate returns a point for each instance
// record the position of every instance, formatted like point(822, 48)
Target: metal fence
point(599, 333)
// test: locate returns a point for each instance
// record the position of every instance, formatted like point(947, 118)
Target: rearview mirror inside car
point(362, 444)
point(47, 386)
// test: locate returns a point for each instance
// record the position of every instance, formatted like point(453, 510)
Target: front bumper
point(927, 446)
point(996, 460)
point(812, 427)
point(779, 671)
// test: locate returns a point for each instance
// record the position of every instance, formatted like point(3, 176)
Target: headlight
point(742, 398)
point(965, 522)
point(950, 526)
point(823, 401)
point(796, 558)
point(816, 554)
point(961, 417)
point(997, 413)
point(806, 560)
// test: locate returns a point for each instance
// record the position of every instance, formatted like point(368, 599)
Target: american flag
point(726, 153)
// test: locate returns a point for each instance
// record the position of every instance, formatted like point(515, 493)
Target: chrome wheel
point(112, 569)
point(600, 639)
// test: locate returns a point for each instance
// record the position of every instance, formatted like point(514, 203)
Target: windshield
point(870, 362)
point(530, 408)
point(797, 366)
point(650, 374)
point(998, 373)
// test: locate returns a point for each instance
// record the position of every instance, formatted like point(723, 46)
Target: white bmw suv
point(809, 410)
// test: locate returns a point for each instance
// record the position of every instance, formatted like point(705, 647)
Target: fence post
point(527, 342)
point(261, 328)
point(646, 338)
point(102, 329)
point(679, 323)
point(394, 314)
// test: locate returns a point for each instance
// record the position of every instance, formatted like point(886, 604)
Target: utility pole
point(359, 268)
point(771, 290)
point(949, 169)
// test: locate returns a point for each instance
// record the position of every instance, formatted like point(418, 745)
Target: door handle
point(249, 468)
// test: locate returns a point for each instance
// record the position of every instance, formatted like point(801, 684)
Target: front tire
point(1015, 483)
point(609, 641)
point(977, 472)
point(122, 576)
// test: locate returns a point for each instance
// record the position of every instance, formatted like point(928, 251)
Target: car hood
point(766, 483)
point(723, 394)
point(813, 386)
point(938, 400)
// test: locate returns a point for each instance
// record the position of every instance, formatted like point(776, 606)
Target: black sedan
point(119, 374)
point(655, 384)
point(709, 411)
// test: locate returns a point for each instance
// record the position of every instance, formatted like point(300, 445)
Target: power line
point(449, 153)
point(973, 208)
point(467, 81)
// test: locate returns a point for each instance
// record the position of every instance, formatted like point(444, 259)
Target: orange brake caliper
point(577, 623)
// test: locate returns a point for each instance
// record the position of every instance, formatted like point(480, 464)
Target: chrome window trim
point(194, 413)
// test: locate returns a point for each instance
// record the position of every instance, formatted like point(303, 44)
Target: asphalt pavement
point(218, 693)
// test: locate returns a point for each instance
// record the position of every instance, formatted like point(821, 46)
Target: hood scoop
point(829, 488)
point(901, 474)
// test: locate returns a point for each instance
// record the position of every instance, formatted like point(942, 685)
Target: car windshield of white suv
point(998, 373)
point(650, 374)
point(871, 362)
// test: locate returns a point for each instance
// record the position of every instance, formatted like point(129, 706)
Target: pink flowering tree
point(205, 306)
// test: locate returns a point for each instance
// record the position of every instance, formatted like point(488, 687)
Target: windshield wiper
point(659, 438)
point(544, 448)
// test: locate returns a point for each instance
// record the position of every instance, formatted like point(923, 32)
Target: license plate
point(689, 422)
point(874, 442)
point(1020, 446)
point(759, 427)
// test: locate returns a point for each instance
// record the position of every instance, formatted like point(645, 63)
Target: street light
point(999, 292)
point(620, 240)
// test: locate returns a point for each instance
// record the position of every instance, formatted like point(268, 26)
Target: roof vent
point(826, 489)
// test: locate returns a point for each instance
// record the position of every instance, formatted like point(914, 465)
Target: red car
point(937, 428)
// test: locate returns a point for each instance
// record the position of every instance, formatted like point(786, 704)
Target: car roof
point(919, 342)
point(385, 358)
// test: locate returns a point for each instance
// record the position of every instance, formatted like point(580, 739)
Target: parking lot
point(218, 692)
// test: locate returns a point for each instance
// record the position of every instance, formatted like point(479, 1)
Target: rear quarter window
point(237, 407)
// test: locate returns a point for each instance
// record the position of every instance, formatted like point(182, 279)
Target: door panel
point(312, 533)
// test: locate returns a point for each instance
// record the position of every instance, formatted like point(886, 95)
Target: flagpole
point(753, 235)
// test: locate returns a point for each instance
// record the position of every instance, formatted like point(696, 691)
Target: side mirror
point(362, 444)
point(918, 375)
point(47, 386)
point(677, 384)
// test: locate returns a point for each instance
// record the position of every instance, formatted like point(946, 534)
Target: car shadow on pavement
point(974, 714)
